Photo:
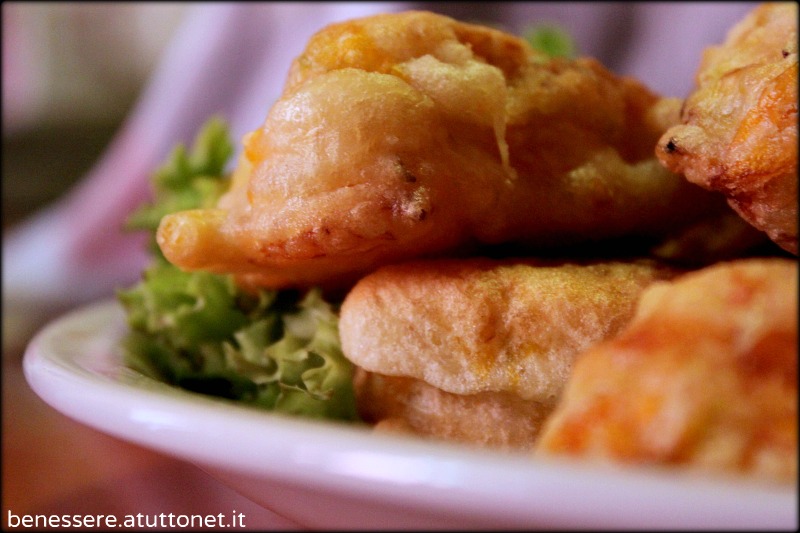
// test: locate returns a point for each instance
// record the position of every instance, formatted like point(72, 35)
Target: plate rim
point(436, 476)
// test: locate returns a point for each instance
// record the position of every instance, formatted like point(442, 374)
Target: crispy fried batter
point(704, 376)
point(739, 127)
point(412, 134)
point(470, 326)
point(495, 420)
point(714, 239)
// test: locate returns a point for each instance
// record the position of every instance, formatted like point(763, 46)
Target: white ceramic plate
point(331, 475)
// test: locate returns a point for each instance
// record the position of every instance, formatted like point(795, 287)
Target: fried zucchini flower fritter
point(413, 134)
point(739, 127)
point(478, 350)
point(703, 377)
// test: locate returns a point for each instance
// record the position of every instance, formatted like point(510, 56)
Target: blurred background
point(71, 72)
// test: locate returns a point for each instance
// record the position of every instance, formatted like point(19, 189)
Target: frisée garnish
point(551, 39)
point(277, 350)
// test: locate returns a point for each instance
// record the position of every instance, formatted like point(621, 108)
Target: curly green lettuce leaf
point(277, 350)
point(552, 40)
point(187, 180)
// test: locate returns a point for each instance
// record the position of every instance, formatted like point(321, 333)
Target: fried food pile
point(407, 148)
point(738, 131)
point(409, 135)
